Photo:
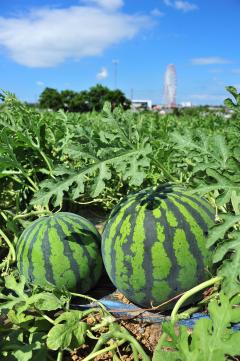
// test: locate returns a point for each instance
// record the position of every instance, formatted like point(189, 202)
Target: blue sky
point(73, 45)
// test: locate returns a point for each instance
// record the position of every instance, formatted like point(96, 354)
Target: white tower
point(170, 86)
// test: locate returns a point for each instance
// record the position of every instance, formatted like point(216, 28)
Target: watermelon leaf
point(230, 270)
point(212, 339)
point(75, 182)
point(68, 331)
point(218, 231)
point(17, 298)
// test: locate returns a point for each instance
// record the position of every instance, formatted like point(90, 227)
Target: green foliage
point(212, 339)
point(39, 322)
point(229, 103)
point(61, 159)
point(68, 331)
point(51, 99)
point(83, 101)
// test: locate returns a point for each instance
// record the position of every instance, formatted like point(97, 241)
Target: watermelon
point(63, 250)
point(154, 244)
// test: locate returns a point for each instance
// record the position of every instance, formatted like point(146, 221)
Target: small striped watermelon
point(153, 244)
point(62, 249)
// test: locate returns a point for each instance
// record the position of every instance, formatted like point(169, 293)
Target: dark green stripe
point(198, 226)
point(31, 232)
point(109, 235)
point(85, 253)
point(168, 220)
point(26, 232)
point(201, 205)
point(126, 247)
point(131, 214)
point(137, 279)
point(67, 236)
point(191, 257)
point(47, 252)
point(82, 222)
point(37, 267)
point(157, 265)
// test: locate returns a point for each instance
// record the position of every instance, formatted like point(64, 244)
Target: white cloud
point(210, 61)
point(103, 74)
point(185, 6)
point(46, 37)
point(168, 2)
point(157, 12)
point(40, 83)
point(215, 71)
point(236, 71)
point(107, 4)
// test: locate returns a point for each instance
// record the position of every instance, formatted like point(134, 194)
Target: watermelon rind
point(63, 250)
point(154, 244)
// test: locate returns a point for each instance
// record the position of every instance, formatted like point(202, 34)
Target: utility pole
point(131, 96)
point(115, 68)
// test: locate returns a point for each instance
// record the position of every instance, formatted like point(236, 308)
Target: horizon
point(67, 45)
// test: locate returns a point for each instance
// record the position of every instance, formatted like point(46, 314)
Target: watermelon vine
point(61, 162)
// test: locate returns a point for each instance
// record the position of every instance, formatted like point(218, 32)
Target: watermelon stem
point(120, 335)
point(48, 318)
point(190, 293)
point(11, 257)
point(35, 186)
point(115, 357)
point(47, 163)
point(104, 350)
point(33, 213)
point(179, 303)
point(165, 171)
point(60, 355)
point(134, 343)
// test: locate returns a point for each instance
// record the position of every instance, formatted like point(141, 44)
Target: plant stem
point(190, 293)
point(33, 213)
point(133, 343)
point(135, 353)
point(104, 350)
point(115, 357)
point(48, 318)
point(60, 355)
point(179, 303)
point(32, 183)
point(105, 322)
point(165, 171)
point(11, 248)
point(47, 162)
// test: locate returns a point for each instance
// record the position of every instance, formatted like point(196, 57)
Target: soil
point(146, 334)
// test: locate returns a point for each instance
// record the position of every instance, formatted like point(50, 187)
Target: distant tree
point(50, 99)
point(67, 98)
point(80, 102)
point(99, 94)
point(83, 101)
point(117, 97)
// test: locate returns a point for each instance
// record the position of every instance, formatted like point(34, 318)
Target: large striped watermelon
point(62, 249)
point(153, 244)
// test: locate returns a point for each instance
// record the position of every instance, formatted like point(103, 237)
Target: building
point(141, 104)
point(186, 104)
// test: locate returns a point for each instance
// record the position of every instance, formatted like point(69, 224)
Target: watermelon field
point(142, 202)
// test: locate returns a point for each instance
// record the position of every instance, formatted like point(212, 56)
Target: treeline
point(83, 101)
